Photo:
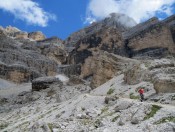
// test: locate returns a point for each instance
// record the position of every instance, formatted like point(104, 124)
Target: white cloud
point(137, 9)
point(89, 19)
point(28, 11)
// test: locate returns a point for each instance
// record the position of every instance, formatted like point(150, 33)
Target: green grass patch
point(97, 123)
point(82, 108)
point(86, 121)
point(115, 118)
point(43, 115)
point(24, 125)
point(3, 101)
point(173, 97)
point(132, 96)
point(153, 111)
point(50, 126)
point(2, 126)
point(107, 114)
point(147, 65)
point(105, 109)
point(137, 89)
point(110, 91)
point(165, 119)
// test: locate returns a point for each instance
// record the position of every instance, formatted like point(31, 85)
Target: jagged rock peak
point(122, 19)
point(11, 29)
point(17, 33)
point(120, 22)
point(38, 35)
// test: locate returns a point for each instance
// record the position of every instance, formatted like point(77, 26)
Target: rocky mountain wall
point(107, 39)
point(139, 27)
point(22, 65)
point(69, 70)
point(151, 36)
point(157, 36)
point(172, 27)
point(150, 39)
point(113, 21)
point(103, 66)
point(169, 19)
point(18, 73)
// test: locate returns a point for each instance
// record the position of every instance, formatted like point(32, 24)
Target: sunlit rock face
point(103, 35)
point(152, 38)
point(36, 36)
point(103, 66)
point(120, 35)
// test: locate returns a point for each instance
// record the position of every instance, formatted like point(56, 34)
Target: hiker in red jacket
point(141, 92)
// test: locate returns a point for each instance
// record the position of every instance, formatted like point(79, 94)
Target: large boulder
point(165, 84)
point(44, 82)
point(136, 74)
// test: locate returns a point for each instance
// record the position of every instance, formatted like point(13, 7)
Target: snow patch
point(62, 78)
point(6, 84)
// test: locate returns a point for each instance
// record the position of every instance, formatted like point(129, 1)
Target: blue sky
point(61, 18)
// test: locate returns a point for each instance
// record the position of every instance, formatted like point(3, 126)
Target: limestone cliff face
point(108, 39)
point(158, 37)
point(29, 55)
point(119, 21)
point(171, 22)
point(152, 38)
point(21, 65)
point(53, 52)
point(54, 49)
point(36, 36)
point(103, 66)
